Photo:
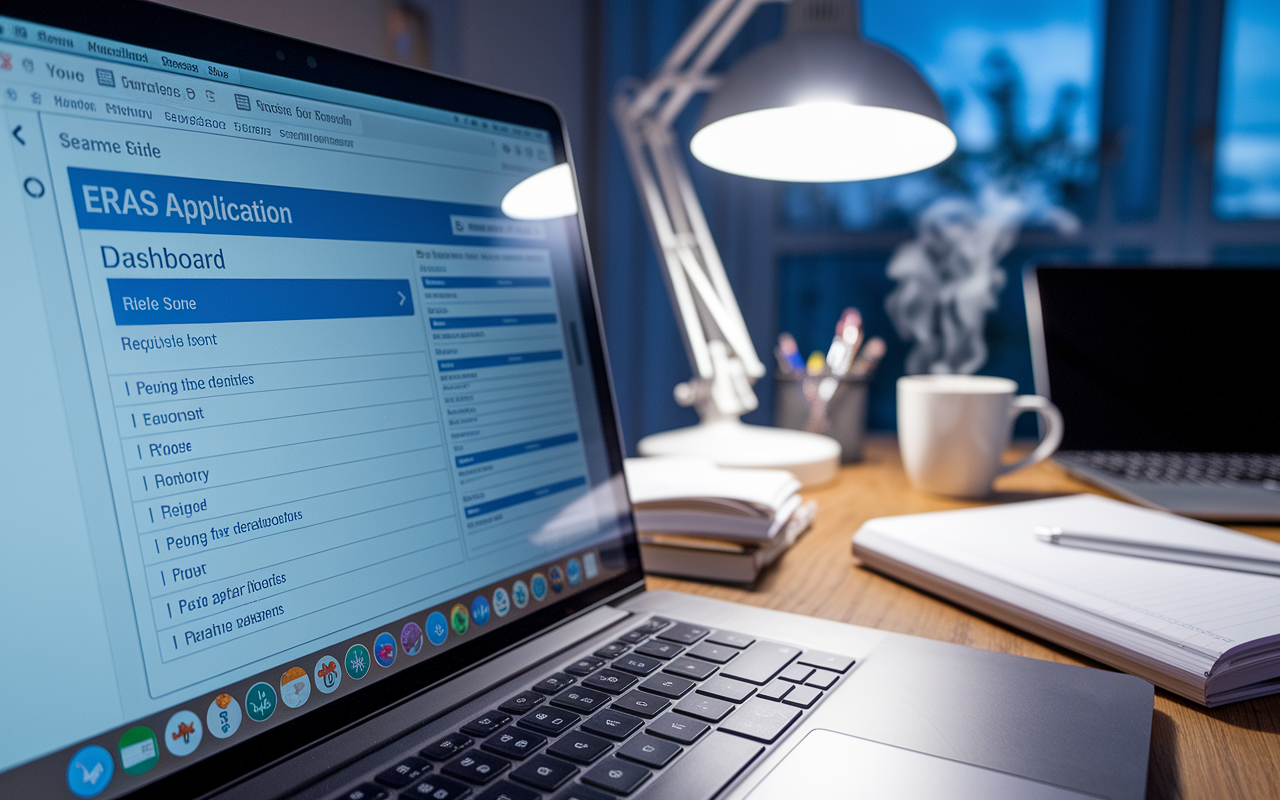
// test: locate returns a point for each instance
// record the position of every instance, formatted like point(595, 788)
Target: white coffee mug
point(953, 429)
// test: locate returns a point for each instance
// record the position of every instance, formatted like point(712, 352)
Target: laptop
point(1164, 379)
point(312, 480)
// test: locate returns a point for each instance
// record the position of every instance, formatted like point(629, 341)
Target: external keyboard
point(668, 705)
point(1157, 467)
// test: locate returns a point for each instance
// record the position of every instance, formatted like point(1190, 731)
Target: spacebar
point(706, 769)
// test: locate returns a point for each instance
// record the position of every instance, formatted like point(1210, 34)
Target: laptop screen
point(292, 410)
point(1161, 359)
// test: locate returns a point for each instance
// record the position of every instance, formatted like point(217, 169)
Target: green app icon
point(260, 701)
point(459, 619)
point(358, 661)
point(139, 750)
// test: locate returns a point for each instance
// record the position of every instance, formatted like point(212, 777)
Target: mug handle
point(1052, 437)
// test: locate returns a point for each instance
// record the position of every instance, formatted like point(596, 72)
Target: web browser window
point(292, 403)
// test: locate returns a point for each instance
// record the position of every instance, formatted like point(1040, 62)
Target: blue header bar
point(130, 201)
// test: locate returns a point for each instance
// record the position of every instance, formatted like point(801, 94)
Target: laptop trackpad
point(830, 764)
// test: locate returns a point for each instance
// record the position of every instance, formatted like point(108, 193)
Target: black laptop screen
point(1163, 359)
point(291, 409)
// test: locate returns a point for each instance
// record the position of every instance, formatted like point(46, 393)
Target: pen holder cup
point(799, 404)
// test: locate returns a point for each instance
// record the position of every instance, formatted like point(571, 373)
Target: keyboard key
point(637, 665)
point(759, 663)
point(683, 633)
point(654, 625)
point(677, 728)
point(650, 751)
point(585, 666)
point(726, 689)
point(634, 637)
point(796, 673)
point(486, 724)
point(668, 685)
point(738, 640)
point(446, 748)
point(514, 743)
point(706, 769)
point(776, 690)
point(689, 668)
point(708, 708)
point(580, 792)
point(522, 703)
point(617, 775)
point(641, 703)
point(366, 791)
point(435, 787)
point(549, 720)
point(610, 680)
point(613, 724)
point(553, 684)
point(802, 697)
point(505, 790)
point(815, 658)
point(545, 772)
point(580, 699)
point(578, 746)
point(657, 649)
point(613, 650)
point(822, 679)
point(476, 767)
point(408, 770)
point(761, 720)
point(715, 653)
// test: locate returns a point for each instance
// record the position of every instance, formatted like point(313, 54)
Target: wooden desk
point(1228, 752)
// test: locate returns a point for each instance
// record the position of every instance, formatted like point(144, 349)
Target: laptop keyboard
point(668, 705)
point(1209, 468)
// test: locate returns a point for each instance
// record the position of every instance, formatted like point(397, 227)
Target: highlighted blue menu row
point(190, 301)
point(452, 364)
point(492, 322)
point(483, 283)
point(524, 497)
point(515, 449)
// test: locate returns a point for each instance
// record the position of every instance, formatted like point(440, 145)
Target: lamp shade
point(823, 106)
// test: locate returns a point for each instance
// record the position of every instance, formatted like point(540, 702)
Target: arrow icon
point(21, 141)
point(402, 297)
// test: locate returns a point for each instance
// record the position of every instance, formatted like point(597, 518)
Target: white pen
point(1129, 547)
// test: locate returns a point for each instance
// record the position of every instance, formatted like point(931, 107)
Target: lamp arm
point(711, 325)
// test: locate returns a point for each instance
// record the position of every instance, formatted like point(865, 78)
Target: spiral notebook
point(1210, 635)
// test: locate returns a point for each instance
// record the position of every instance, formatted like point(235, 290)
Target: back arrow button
point(21, 141)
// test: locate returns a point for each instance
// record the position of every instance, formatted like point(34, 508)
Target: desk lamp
point(821, 104)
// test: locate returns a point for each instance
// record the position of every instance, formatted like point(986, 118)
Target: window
point(1247, 162)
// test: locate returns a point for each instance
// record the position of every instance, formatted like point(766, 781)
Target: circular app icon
point(260, 702)
point(183, 733)
point(501, 602)
point(437, 628)
point(328, 674)
point(295, 687)
point(90, 771)
point(384, 649)
point(139, 750)
point(411, 639)
point(224, 716)
point(538, 585)
point(480, 610)
point(573, 571)
point(458, 619)
point(357, 661)
point(557, 578)
point(520, 594)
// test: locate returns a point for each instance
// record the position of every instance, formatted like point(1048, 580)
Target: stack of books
point(698, 520)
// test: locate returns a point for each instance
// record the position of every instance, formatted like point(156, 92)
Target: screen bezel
point(162, 28)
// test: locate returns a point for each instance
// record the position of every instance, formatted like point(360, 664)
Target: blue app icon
point(480, 610)
point(573, 571)
point(437, 628)
point(90, 771)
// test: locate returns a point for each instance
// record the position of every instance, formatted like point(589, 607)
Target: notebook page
point(1203, 609)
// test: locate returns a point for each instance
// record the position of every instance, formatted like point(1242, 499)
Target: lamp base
point(811, 457)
